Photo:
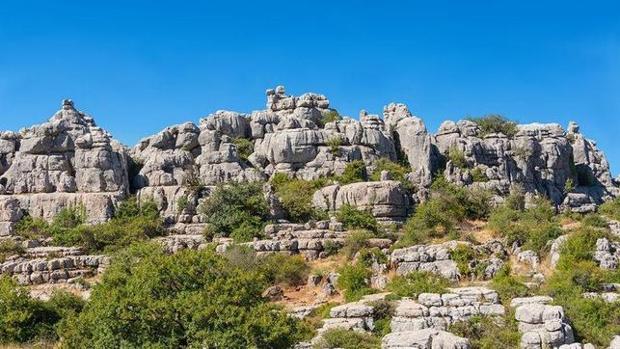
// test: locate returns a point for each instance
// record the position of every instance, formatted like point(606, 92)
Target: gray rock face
point(430, 258)
point(65, 161)
point(70, 158)
point(386, 200)
point(439, 311)
point(542, 325)
point(607, 253)
point(424, 339)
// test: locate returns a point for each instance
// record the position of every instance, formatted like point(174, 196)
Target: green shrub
point(414, 283)
point(593, 320)
point(189, 299)
point(347, 339)
point(182, 203)
point(448, 206)
point(330, 116)
point(397, 172)
point(494, 123)
point(284, 269)
point(355, 281)
point(594, 220)
point(367, 256)
point(353, 218)
point(457, 157)
point(9, 248)
point(485, 332)
point(569, 186)
point(463, 255)
point(611, 209)
point(236, 209)
point(383, 313)
point(355, 171)
point(295, 195)
point(532, 228)
point(356, 241)
point(478, 175)
point(24, 319)
point(131, 222)
point(508, 286)
point(245, 148)
point(330, 248)
point(334, 144)
point(32, 228)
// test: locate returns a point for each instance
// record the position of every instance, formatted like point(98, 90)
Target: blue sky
point(139, 66)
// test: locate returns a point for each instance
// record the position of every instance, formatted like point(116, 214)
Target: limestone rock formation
point(63, 162)
point(69, 160)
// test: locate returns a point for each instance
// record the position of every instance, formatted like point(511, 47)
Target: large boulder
point(386, 200)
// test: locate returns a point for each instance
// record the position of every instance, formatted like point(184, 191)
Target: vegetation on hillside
point(494, 123)
point(189, 299)
point(238, 210)
point(132, 221)
point(440, 216)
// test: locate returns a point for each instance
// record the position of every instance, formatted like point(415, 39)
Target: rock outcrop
point(542, 325)
point(70, 161)
point(66, 161)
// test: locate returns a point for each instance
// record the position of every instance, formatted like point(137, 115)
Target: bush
point(531, 228)
point(182, 203)
point(494, 123)
point(508, 286)
point(383, 313)
point(283, 269)
point(353, 218)
point(347, 339)
point(355, 281)
point(593, 320)
point(330, 248)
point(412, 284)
point(131, 222)
point(190, 299)
point(355, 171)
point(448, 206)
point(24, 319)
point(9, 248)
point(334, 144)
point(486, 332)
point(356, 241)
point(467, 261)
point(397, 172)
point(478, 175)
point(238, 210)
point(457, 157)
point(367, 256)
point(330, 116)
point(611, 209)
point(295, 195)
point(245, 148)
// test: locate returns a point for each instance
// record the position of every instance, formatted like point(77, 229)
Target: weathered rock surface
point(439, 311)
point(66, 161)
point(542, 325)
point(55, 270)
point(386, 200)
point(429, 258)
point(70, 160)
point(424, 339)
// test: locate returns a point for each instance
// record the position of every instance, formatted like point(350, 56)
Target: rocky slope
point(69, 159)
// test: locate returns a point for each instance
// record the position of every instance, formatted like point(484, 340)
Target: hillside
point(297, 227)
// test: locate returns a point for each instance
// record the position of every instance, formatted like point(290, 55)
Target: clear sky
point(139, 66)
